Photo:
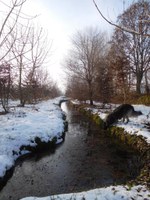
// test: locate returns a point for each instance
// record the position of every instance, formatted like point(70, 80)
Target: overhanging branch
point(117, 26)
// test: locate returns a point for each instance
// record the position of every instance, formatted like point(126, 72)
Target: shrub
point(144, 100)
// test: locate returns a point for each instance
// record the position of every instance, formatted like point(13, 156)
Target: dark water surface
point(87, 159)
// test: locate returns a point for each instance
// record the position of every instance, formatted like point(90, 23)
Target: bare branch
point(117, 26)
point(15, 4)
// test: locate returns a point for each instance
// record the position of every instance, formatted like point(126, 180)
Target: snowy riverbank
point(139, 126)
point(108, 193)
point(22, 125)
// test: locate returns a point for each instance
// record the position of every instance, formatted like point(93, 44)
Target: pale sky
point(62, 18)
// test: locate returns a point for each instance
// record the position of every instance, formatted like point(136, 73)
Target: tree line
point(102, 69)
point(24, 50)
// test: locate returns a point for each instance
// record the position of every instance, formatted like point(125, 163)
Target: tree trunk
point(147, 89)
point(138, 83)
point(20, 87)
point(90, 93)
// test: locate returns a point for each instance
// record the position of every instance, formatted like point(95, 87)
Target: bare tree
point(136, 47)
point(9, 20)
point(118, 65)
point(21, 47)
point(40, 49)
point(77, 88)
point(88, 48)
point(5, 84)
point(25, 47)
point(39, 46)
point(126, 28)
point(42, 86)
point(28, 54)
point(104, 81)
point(8, 24)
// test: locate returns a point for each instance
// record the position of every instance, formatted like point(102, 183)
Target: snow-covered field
point(44, 120)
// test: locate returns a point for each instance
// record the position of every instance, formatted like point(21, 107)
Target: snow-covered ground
point(137, 125)
point(44, 120)
point(23, 124)
point(109, 193)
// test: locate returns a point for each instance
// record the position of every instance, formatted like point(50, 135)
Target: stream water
point(88, 158)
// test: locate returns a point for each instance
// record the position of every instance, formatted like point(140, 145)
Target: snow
point(44, 120)
point(108, 193)
point(23, 124)
point(136, 125)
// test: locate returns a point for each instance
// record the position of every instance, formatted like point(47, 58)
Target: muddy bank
point(88, 158)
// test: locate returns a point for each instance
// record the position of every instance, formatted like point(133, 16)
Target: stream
point(88, 158)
